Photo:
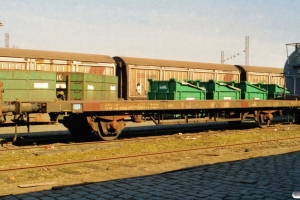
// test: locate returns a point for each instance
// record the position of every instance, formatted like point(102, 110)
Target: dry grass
point(106, 170)
point(71, 153)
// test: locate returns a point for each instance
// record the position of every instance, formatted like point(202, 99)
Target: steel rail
point(143, 155)
point(126, 138)
point(91, 143)
point(123, 138)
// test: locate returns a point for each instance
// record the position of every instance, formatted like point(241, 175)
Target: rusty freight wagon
point(134, 74)
point(265, 75)
point(24, 59)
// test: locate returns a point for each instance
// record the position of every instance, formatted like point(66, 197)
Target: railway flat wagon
point(89, 103)
point(134, 74)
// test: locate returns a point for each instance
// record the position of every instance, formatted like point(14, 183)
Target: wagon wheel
point(77, 125)
point(263, 120)
point(109, 130)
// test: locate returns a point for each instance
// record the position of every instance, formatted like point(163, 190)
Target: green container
point(174, 90)
point(110, 79)
point(250, 91)
point(162, 86)
point(28, 74)
point(172, 85)
point(83, 77)
point(274, 91)
point(83, 81)
point(109, 86)
point(76, 95)
point(110, 95)
point(93, 87)
point(28, 85)
point(219, 90)
point(180, 95)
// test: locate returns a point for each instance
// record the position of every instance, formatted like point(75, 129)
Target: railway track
point(135, 134)
point(84, 143)
point(131, 132)
point(243, 144)
point(61, 135)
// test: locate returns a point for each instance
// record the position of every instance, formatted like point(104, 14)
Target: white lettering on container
point(61, 85)
point(113, 87)
point(163, 87)
point(90, 87)
point(41, 85)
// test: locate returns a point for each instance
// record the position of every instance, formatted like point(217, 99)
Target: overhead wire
point(236, 54)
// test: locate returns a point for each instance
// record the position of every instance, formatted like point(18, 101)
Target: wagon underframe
point(106, 118)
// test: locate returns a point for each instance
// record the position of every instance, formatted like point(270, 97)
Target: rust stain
point(244, 104)
point(167, 105)
point(91, 106)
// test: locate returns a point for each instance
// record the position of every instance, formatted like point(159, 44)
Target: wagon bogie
point(263, 118)
point(109, 130)
point(82, 125)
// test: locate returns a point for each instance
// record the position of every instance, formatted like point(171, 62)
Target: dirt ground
point(148, 165)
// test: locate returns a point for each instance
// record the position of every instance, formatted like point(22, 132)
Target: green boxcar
point(274, 91)
point(219, 90)
point(250, 91)
point(174, 90)
point(28, 85)
point(93, 87)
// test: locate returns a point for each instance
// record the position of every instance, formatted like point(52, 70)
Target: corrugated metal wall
point(57, 65)
point(138, 77)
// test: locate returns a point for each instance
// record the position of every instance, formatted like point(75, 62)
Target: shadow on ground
point(270, 177)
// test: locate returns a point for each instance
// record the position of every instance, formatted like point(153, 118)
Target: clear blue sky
point(190, 30)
